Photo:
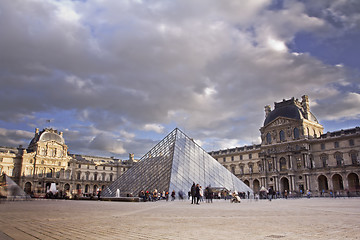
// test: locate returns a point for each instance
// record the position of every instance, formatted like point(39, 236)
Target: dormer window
point(268, 138)
point(296, 133)
point(282, 135)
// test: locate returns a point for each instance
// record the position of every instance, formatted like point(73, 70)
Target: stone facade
point(46, 161)
point(295, 155)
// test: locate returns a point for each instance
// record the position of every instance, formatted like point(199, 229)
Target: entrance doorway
point(27, 188)
point(323, 183)
point(284, 185)
point(353, 180)
point(256, 185)
point(337, 182)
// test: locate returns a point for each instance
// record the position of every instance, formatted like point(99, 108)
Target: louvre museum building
point(46, 161)
point(295, 156)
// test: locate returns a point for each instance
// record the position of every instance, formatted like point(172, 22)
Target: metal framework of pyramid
point(10, 190)
point(174, 164)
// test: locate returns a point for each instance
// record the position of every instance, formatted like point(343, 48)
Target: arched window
point(296, 133)
point(353, 157)
point(49, 173)
point(268, 138)
point(324, 159)
point(250, 168)
point(270, 166)
point(339, 159)
point(67, 174)
point(312, 163)
point(282, 136)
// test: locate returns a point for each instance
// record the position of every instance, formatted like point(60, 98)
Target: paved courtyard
point(320, 218)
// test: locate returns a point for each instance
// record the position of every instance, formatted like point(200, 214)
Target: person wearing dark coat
point(197, 191)
point(193, 194)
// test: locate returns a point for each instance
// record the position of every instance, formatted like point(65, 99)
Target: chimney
point(267, 110)
point(36, 132)
point(61, 133)
point(305, 105)
point(131, 157)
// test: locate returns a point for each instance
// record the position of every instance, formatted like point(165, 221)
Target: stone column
point(292, 182)
point(307, 183)
point(330, 184)
point(276, 180)
point(345, 183)
point(290, 162)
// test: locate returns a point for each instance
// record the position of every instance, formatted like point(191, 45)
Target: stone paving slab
point(315, 218)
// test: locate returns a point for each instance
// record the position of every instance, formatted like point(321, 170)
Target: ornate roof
point(289, 109)
point(48, 134)
point(51, 136)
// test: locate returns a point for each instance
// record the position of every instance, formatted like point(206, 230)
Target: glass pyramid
point(10, 190)
point(174, 164)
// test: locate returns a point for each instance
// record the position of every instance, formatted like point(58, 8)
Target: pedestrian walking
point(193, 193)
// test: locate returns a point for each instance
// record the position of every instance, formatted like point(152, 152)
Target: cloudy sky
point(117, 76)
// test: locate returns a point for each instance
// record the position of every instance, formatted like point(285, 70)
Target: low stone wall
point(121, 199)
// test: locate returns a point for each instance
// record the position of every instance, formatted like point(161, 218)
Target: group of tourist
point(196, 194)
point(156, 195)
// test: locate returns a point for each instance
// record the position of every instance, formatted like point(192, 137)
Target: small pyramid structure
point(174, 164)
point(10, 190)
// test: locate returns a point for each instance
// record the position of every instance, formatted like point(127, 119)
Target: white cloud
point(154, 127)
point(206, 66)
point(277, 45)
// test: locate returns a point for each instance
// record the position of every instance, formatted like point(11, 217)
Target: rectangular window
point(250, 156)
point(323, 146)
point(336, 144)
point(351, 142)
point(224, 159)
point(232, 158)
point(353, 158)
point(79, 166)
point(324, 161)
point(103, 167)
point(233, 170)
point(298, 163)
